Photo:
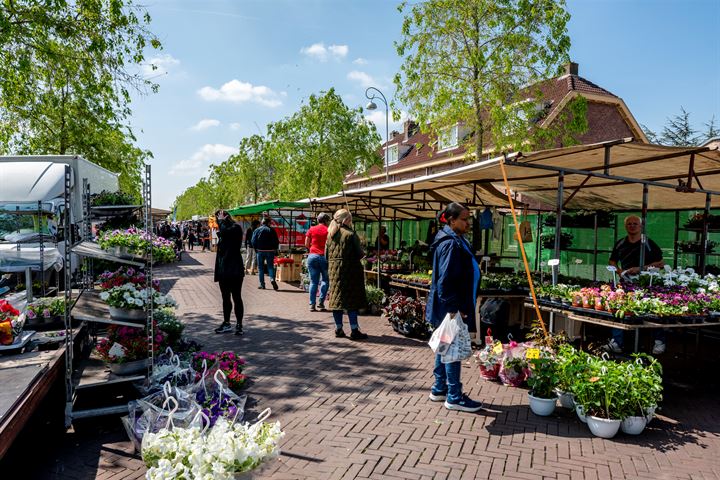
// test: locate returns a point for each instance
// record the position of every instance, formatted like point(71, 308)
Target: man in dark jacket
point(266, 243)
point(251, 265)
point(230, 270)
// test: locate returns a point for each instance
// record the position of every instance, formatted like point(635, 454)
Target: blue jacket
point(453, 279)
point(265, 238)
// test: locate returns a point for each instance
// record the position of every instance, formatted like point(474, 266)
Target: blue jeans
point(270, 258)
point(318, 267)
point(447, 379)
point(352, 316)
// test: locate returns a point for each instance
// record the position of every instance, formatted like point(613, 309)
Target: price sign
point(498, 348)
point(531, 353)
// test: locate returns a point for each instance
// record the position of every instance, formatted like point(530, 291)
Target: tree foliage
point(471, 62)
point(305, 155)
point(680, 132)
point(67, 70)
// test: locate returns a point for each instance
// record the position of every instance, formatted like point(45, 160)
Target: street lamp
point(372, 106)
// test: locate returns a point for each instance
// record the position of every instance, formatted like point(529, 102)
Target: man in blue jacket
point(266, 243)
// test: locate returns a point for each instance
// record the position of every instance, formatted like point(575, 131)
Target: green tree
point(679, 132)
point(196, 200)
point(316, 147)
point(67, 70)
point(470, 62)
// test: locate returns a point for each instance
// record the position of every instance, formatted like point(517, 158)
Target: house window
point(392, 154)
point(448, 138)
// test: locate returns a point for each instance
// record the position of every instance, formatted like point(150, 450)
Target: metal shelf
point(91, 249)
point(90, 308)
point(108, 211)
point(94, 373)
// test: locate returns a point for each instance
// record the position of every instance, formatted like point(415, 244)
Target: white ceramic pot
point(580, 413)
point(134, 315)
point(602, 427)
point(542, 406)
point(633, 425)
point(566, 400)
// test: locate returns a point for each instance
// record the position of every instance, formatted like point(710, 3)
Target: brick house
point(413, 154)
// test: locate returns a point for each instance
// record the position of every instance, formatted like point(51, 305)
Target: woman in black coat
point(230, 270)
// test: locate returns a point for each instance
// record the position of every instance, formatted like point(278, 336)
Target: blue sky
point(229, 67)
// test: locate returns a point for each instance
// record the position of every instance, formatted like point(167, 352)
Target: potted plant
point(642, 394)
point(489, 362)
point(571, 366)
point(127, 302)
point(543, 381)
point(605, 388)
point(407, 316)
point(11, 323)
point(45, 310)
point(169, 324)
point(125, 349)
point(375, 297)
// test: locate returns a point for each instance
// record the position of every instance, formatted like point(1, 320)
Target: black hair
point(255, 223)
point(267, 221)
point(452, 212)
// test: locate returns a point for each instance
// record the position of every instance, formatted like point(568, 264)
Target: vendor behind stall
point(626, 257)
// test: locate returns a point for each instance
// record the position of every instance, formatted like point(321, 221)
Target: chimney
point(571, 68)
point(409, 129)
point(393, 134)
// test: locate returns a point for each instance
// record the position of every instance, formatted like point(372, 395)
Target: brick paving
point(360, 409)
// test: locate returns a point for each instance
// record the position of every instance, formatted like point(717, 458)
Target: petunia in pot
point(128, 302)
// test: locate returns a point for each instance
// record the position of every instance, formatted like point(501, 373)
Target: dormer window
point(448, 138)
point(393, 154)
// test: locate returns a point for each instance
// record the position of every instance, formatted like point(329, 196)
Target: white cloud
point(378, 118)
point(239, 92)
point(320, 52)
point(235, 126)
point(162, 63)
point(360, 61)
point(198, 163)
point(205, 123)
point(362, 78)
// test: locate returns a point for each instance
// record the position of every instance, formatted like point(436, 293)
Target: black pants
point(228, 289)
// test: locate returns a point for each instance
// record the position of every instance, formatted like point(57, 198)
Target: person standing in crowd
point(266, 243)
point(251, 265)
point(626, 257)
point(191, 239)
point(205, 238)
point(315, 240)
point(382, 242)
point(455, 279)
point(185, 232)
point(343, 253)
point(230, 271)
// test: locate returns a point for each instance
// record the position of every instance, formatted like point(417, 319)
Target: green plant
point(544, 377)
point(167, 322)
point(375, 296)
point(643, 386)
point(105, 198)
point(600, 389)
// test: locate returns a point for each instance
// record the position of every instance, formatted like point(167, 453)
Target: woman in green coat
point(347, 280)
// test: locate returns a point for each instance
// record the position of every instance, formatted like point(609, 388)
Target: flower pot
point(633, 425)
point(542, 406)
point(120, 251)
point(580, 411)
point(127, 314)
point(566, 399)
point(129, 368)
point(603, 427)
point(490, 373)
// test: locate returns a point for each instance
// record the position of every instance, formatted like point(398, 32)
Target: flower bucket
point(120, 251)
point(633, 425)
point(580, 411)
point(129, 368)
point(490, 373)
point(566, 399)
point(134, 314)
point(602, 427)
point(542, 406)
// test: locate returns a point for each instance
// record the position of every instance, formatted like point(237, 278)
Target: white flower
point(104, 296)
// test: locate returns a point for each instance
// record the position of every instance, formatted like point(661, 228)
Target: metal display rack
point(88, 373)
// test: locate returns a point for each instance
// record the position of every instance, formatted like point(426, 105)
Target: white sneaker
point(658, 348)
point(612, 346)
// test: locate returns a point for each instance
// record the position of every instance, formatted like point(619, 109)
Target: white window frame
point(448, 138)
point(393, 154)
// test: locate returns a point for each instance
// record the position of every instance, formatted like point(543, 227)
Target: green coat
point(347, 278)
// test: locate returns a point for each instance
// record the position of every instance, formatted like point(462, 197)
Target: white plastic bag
point(461, 347)
point(444, 334)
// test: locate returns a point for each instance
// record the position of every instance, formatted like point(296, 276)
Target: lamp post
point(370, 95)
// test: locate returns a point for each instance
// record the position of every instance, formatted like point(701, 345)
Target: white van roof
point(31, 181)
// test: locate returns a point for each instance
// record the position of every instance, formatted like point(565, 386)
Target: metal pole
point(372, 106)
point(67, 266)
point(704, 240)
point(377, 245)
point(558, 222)
point(595, 249)
point(643, 229)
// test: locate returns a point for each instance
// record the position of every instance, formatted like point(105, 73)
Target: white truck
point(27, 180)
